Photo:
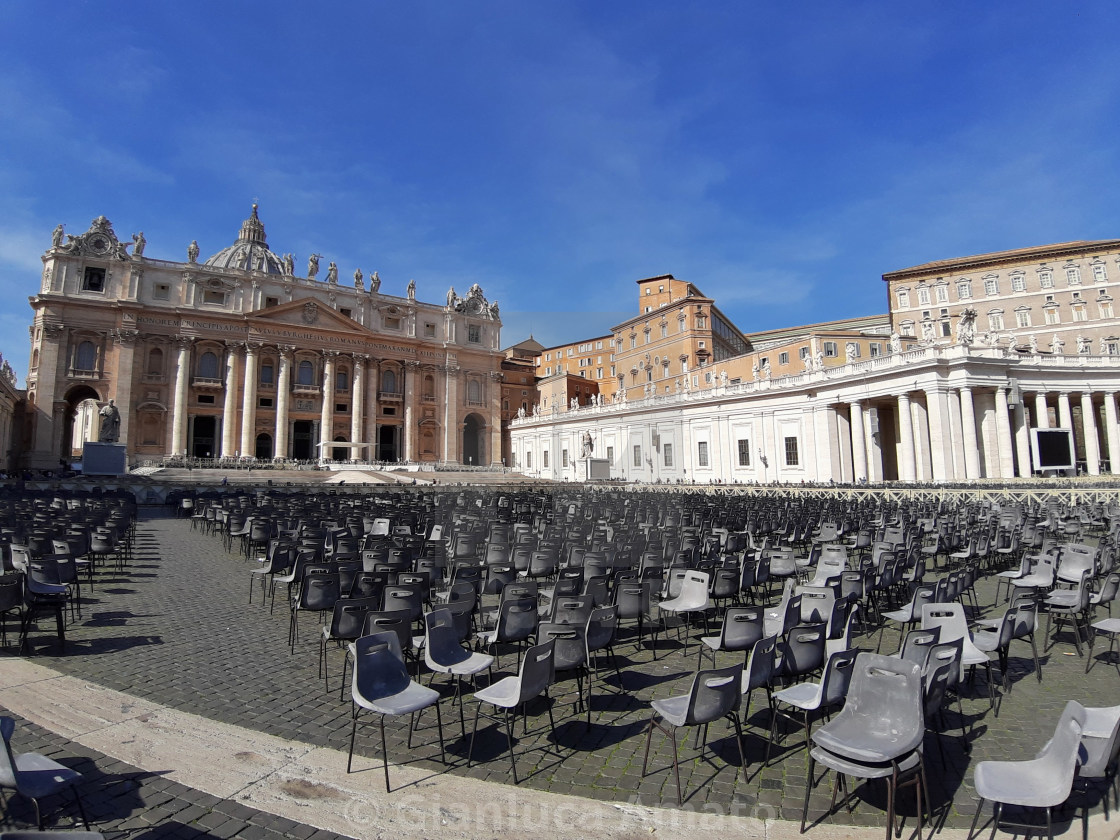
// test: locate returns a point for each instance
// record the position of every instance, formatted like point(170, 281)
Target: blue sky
point(780, 156)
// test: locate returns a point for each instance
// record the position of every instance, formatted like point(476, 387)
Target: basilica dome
point(250, 251)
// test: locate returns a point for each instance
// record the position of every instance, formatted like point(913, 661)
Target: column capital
point(53, 331)
point(286, 351)
point(183, 342)
point(233, 345)
point(329, 355)
point(411, 363)
point(251, 348)
point(125, 338)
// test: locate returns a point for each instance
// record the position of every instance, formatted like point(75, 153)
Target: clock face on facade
point(99, 244)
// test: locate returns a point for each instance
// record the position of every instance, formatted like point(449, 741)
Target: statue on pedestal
point(56, 237)
point(312, 266)
point(110, 424)
point(588, 445)
point(192, 251)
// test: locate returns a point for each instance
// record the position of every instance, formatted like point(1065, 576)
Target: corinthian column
point(179, 406)
point(908, 471)
point(326, 417)
point(249, 404)
point(968, 431)
point(859, 444)
point(357, 398)
point(283, 392)
point(229, 406)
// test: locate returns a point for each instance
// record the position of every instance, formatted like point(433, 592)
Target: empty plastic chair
point(34, 775)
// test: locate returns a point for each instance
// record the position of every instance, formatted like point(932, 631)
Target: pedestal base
point(594, 469)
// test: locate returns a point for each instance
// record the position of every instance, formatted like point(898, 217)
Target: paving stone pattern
point(176, 627)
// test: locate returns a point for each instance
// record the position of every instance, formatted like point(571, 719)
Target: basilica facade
point(236, 356)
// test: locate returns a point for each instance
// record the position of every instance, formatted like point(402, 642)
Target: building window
point(744, 452)
point(923, 296)
point(1099, 273)
point(544, 459)
point(85, 357)
point(206, 399)
point(610, 453)
point(272, 301)
point(208, 366)
point(342, 381)
point(264, 402)
point(903, 299)
point(155, 362)
point(791, 452)
point(783, 358)
point(875, 348)
point(995, 320)
point(1079, 313)
point(946, 328)
point(429, 331)
point(1046, 278)
point(214, 297)
point(474, 392)
point(474, 333)
point(1018, 283)
point(633, 340)
point(345, 313)
point(702, 453)
point(564, 457)
point(266, 373)
point(830, 349)
point(1073, 276)
point(1022, 317)
point(964, 290)
point(161, 291)
point(664, 330)
point(942, 292)
point(991, 286)
point(680, 324)
point(667, 451)
point(1052, 315)
point(701, 322)
point(637, 455)
point(1106, 308)
point(93, 280)
point(528, 460)
point(305, 373)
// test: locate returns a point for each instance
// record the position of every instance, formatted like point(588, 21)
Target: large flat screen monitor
point(1052, 449)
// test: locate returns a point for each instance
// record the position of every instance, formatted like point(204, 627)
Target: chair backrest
point(633, 599)
point(919, 644)
point(349, 617)
point(803, 649)
point(572, 609)
point(1050, 784)
point(837, 677)
point(570, 650)
point(601, 627)
point(398, 622)
point(742, 627)
point(379, 667)
point(1100, 740)
point(319, 591)
point(537, 671)
point(517, 619)
point(714, 693)
point(404, 596)
point(441, 644)
point(759, 669)
point(694, 590)
point(949, 618)
point(816, 602)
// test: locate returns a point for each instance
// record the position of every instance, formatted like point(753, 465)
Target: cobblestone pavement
point(176, 627)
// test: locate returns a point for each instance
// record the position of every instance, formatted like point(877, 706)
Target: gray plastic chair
point(742, 627)
point(801, 650)
point(814, 697)
point(347, 620)
point(758, 672)
point(714, 694)
point(34, 775)
point(1070, 603)
point(513, 693)
point(517, 623)
point(382, 686)
point(569, 654)
point(444, 654)
point(879, 732)
point(1017, 622)
point(602, 625)
point(1100, 749)
point(1041, 782)
point(693, 598)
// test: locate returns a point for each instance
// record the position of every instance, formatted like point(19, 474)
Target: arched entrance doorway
point(82, 421)
point(340, 453)
point(388, 443)
point(301, 440)
point(474, 450)
point(264, 446)
point(204, 433)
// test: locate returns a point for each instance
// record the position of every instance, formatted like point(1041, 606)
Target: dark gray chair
point(34, 775)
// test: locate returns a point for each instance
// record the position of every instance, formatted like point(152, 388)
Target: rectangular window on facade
point(991, 286)
point(964, 290)
point(1079, 313)
point(93, 279)
point(744, 452)
point(995, 321)
point(637, 455)
point(791, 452)
point(903, 300)
point(923, 296)
point(544, 459)
point(266, 373)
point(1046, 279)
point(265, 402)
point(161, 291)
point(429, 331)
point(217, 297)
point(942, 293)
point(342, 408)
point(528, 460)
point(392, 323)
point(803, 353)
point(1099, 273)
point(474, 333)
point(1018, 283)
point(783, 358)
point(702, 453)
point(946, 329)
point(830, 349)
point(1073, 276)
point(1052, 316)
point(875, 348)
point(667, 451)
point(206, 399)
point(564, 457)
point(610, 453)
point(1106, 309)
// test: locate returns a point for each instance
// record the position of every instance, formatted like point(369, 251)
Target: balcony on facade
point(305, 389)
point(207, 383)
point(390, 396)
point(78, 373)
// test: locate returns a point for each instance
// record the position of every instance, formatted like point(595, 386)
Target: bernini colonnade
point(932, 414)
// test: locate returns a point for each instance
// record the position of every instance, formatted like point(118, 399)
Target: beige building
point(591, 359)
point(1054, 298)
point(237, 357)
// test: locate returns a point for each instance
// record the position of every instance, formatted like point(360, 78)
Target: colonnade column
point(1089, 429)
point(823, 448)
point(179, 406)
point(411, 393)
point(907, 469)
point(249, 404)
point(1112, 434)
point(451, 412)
point(1022, 440)
point(283, 392)
point(1065, 412)
point(126, 352)
point(371, 418)
point(968, 432)
point(326, 416)
point(229, 405)
point(1041, 412)
point(357, 405)
point(940, 438)
point(859, 443)
point(1005, 446)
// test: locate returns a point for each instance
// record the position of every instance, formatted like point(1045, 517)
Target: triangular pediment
point(308, 314)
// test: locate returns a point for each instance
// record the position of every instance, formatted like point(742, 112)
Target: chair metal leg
point(385, 750)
